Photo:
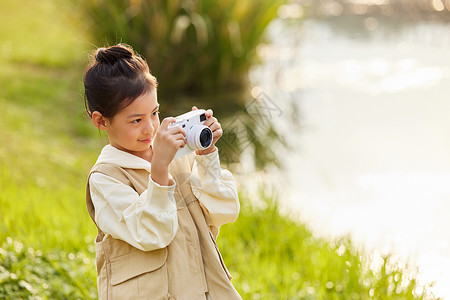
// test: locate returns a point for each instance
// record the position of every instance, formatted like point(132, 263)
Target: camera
point(198, 136)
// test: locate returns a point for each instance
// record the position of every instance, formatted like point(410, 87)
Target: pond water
point(372, 160)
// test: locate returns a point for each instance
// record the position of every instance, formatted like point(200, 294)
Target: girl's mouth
point(146, 141)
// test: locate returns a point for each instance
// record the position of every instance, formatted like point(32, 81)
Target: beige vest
point(188, 268)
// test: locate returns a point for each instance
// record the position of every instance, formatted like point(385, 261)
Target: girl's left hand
point(216, 129)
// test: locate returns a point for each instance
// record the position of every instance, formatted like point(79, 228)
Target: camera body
point(198, 136)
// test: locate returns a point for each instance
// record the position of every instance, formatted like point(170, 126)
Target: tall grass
point(193, 47)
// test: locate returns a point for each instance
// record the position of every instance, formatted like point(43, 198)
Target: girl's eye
point(155, 113)
point(136, 121)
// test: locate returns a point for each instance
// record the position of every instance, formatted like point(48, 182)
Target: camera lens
point(205, 137)
point(199, 137)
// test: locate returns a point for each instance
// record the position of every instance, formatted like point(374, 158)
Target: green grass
point(48, 146)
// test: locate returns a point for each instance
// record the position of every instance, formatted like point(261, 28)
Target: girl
point(157, 218)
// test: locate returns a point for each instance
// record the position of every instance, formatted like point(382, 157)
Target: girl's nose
point(148, 127)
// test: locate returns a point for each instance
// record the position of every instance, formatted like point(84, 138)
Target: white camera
point(198, 136)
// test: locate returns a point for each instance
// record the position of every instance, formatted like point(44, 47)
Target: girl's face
point(133, 128)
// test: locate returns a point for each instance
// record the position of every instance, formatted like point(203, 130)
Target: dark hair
point(115, 77)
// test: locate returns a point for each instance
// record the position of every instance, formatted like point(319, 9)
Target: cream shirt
point(149, 221)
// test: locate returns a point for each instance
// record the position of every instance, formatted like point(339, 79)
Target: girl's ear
point(98, 120)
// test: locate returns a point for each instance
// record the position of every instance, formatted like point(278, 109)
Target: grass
point(46, 235)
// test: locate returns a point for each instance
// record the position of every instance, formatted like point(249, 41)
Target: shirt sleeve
point(216, 190)
point(147, 221)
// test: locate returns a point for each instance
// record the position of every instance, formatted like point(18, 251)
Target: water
point(373, 149)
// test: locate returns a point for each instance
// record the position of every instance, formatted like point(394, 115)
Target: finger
point(194, 108)
point(181, 143)
point(217, 134)
point(215, 126)
point(209, 113)
point(180, 136)
point(211, 121)
point(176, 130)
point(166, 122)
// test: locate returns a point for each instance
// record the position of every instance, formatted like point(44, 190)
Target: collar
point(114, 156)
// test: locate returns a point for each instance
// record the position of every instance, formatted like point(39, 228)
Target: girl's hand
point(165, 145)
point(167, 142)
point(216, 129)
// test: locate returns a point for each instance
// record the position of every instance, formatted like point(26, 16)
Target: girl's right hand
point(167, 141)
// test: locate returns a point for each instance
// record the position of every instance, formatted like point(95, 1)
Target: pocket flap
point(136, 263)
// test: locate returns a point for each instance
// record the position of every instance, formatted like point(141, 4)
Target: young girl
point(157, 218)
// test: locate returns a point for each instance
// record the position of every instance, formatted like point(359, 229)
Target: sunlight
point(438, 5)
point(370, 2)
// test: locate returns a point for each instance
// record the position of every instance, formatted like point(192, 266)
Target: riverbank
point(46, 235)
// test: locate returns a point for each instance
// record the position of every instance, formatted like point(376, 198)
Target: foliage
point(26, 273)
point(193, 47)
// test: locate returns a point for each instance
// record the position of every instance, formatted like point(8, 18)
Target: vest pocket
point(140, 275)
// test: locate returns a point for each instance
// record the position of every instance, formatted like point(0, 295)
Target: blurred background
point(335, 127)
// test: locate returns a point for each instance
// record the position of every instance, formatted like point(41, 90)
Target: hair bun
point(113, 54)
